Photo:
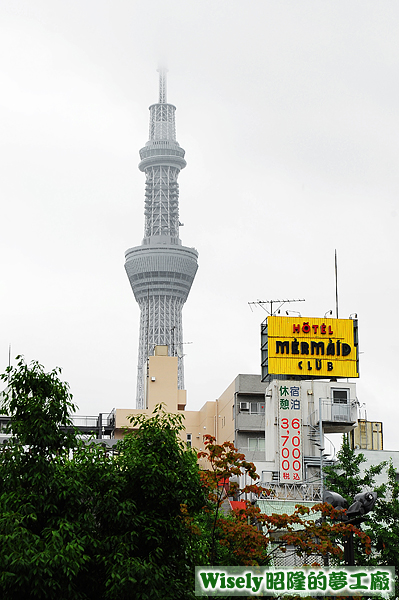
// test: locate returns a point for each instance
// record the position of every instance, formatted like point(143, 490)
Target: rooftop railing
point(292, 491)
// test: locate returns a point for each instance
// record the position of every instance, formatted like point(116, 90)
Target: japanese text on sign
point(290, 432)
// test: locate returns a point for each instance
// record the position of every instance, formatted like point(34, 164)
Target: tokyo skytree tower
point(161, 270)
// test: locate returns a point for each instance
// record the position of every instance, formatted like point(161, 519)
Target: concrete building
point(368, 439)
point(279, 424)
point(376, 457)
point(368, 435)
point(161, 270)
point(162, 389)
point(299, 413)
point(250, 414)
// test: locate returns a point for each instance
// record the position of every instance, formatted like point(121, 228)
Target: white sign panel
point(290, 431)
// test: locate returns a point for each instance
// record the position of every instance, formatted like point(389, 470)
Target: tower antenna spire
point(162, 84)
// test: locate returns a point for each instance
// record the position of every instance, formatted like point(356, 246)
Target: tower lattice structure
point(161, 270)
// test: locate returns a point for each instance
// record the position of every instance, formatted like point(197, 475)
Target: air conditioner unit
point(244, 406)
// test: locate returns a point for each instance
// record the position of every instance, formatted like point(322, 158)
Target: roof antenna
point(271, 302)
point(336, 285)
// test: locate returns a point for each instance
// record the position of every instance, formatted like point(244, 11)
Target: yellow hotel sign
point(311, 347)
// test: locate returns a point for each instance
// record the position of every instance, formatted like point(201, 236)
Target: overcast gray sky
point(288, 112)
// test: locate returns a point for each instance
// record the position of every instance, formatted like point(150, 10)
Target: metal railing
point(93, 422)
point(84, 421)
point(334, 412)
point(104, 422)
point(292, 491)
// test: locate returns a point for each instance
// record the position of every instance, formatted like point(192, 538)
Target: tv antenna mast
point(270, 312)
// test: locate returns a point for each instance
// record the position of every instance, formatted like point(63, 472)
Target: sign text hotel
point(312, 347)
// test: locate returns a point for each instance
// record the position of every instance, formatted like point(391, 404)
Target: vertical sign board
point(290, 431)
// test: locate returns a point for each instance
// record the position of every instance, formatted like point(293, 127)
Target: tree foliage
point(247, 536)
point(346, 478)
point(39, 405)
point(79, 523)
point(382, 524)
point(234, 540)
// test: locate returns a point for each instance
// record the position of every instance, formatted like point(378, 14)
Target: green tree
point(382, 526)
point(39, 405)
point(346, 477)
point(40, 537)
point(162, 479)
point(79, 523)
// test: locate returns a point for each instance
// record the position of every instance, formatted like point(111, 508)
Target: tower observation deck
point(161, 270)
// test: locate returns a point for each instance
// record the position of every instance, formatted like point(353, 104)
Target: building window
point(255, 444)
point(339, 396)
point(257, 408)
point(250, 405)
point(189, 439)
point(268, 476)
point(340, 406)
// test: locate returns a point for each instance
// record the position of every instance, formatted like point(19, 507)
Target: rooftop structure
point(161, 270)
